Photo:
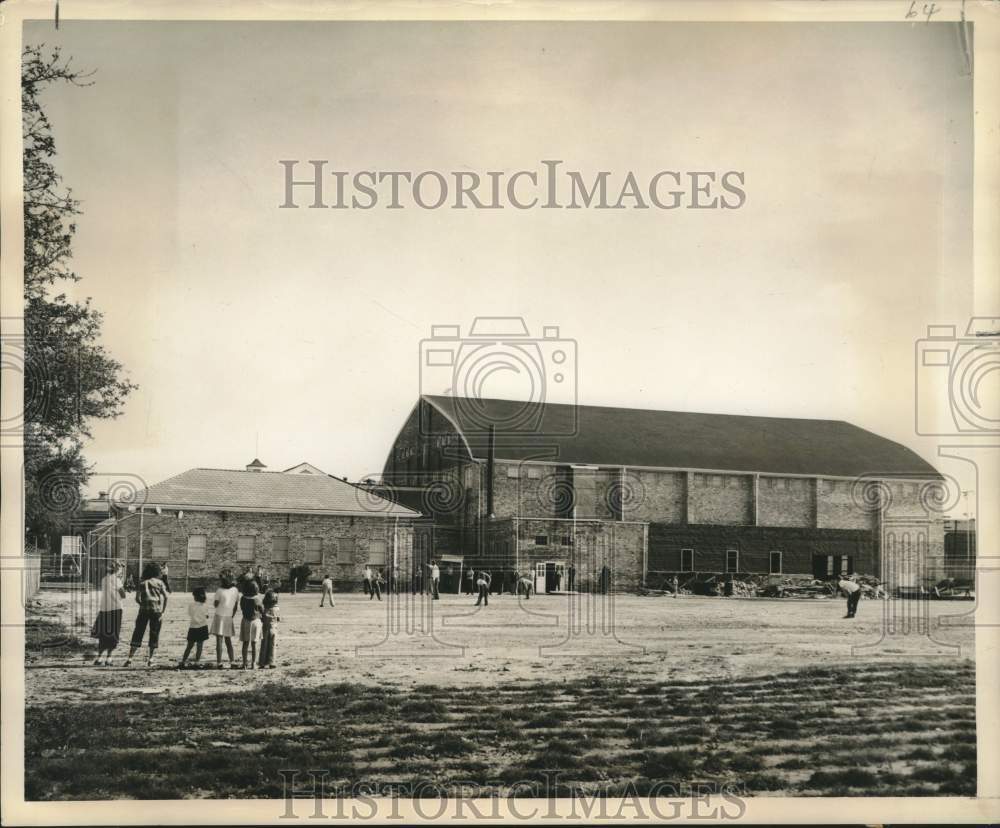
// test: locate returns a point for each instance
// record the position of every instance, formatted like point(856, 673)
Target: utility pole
point(968, 531)
point(142, 514)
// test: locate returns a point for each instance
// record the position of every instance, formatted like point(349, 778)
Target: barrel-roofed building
point(573, 495)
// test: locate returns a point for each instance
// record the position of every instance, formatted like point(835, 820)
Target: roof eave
point(393, 511)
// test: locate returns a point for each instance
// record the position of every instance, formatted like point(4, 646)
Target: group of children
point(259, 619)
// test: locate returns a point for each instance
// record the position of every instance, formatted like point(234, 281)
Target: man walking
point(852, 590)
point(376, 585)
point(327, 590)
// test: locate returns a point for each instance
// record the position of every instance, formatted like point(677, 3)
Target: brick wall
point(838, 508)
point(911, 524)
point(654, 495)
point(754, 543)
point(587, 545)
point(721, 499)
point(347, 544)
point(786, 501)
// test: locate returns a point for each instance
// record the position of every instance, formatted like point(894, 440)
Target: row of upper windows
point(732, 561)
point(734, 481)
point(316, 550)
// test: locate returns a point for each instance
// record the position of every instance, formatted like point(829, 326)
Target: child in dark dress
point(270, 632)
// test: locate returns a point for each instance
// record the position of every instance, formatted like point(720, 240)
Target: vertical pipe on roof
point(756, 499)
point(491, 448)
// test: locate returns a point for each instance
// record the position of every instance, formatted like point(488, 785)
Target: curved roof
point(262, 491)
point(598, 435)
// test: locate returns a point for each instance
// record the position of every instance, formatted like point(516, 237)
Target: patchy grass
point(767, 735)
point(43, 636)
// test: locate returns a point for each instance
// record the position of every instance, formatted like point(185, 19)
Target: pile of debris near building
point(746, 585)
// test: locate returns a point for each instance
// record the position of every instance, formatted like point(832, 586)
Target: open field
point(763, 696)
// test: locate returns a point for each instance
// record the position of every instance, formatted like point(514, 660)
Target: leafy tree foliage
point(70, 379)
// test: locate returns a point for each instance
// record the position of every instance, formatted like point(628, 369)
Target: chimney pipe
point(491, 450)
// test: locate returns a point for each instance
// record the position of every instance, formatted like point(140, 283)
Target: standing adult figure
point(435, 579)
point(107, 627)
point(327, 591)
point(483, 581)
point(151, 596)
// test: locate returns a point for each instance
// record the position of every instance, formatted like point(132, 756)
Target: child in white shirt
point(197, 625)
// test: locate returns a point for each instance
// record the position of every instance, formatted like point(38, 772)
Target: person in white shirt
point(107, 627)
point(852, 590)
point(227, 604)
point(198, 616)
point(327, 591)
point(435, 579)
point(483, 580)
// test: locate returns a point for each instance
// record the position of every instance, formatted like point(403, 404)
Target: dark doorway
point(821, 566)
point(830, 566)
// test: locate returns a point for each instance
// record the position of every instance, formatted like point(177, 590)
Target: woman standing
point(107, 627)
point(151, 596)
point(227, 604)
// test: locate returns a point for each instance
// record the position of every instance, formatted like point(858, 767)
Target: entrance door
point(550, 576)
point(539, 578)
point(561, 584)
point(822, 566)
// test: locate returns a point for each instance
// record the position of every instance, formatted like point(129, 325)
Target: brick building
point(205, 519)
point(588, 496)
point(960, 549)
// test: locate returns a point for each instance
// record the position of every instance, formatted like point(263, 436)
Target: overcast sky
point(299, 330)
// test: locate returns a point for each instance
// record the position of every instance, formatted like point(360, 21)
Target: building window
point(244, 548)
point(511, 471)
point(279, 547)
point(541, 540)
point(376, 552)
point(775, 562)
point(687, 560)
point(161, 546)
point(347, 546)
point(732, 560)
point(314, 550)
point(534, 472)
point(196, 547)
point(567, 540)
point(716, 481)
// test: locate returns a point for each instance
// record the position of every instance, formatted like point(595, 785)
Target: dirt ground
point(624, 636)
